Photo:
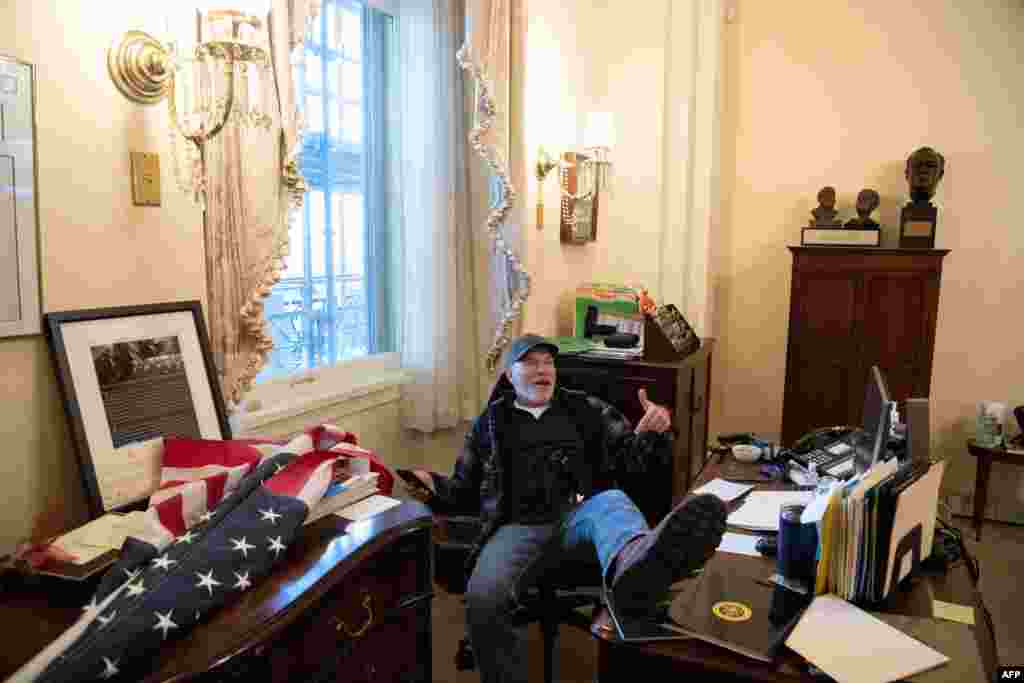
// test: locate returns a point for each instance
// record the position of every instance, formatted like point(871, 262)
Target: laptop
point(652, 625)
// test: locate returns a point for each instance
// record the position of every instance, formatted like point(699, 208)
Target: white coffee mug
point(746, 453)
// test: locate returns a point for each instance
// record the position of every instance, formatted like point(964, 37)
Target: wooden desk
point(987, 456)
point(375, 573)
point(660, 661)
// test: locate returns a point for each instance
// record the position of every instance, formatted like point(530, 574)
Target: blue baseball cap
point(523, 345)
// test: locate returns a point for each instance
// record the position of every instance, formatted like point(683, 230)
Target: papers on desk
point(368, 507)
point(852, 646)
point(101, 535)
point(740, 544)
point(726, 490)
point(760, 509)
point(953, 612)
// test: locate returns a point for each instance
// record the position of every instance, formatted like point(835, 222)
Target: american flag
point(224, 514)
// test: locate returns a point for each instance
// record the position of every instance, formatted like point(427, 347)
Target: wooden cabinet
point(682, 386)
point(851, 308)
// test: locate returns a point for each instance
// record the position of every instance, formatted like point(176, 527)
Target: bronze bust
point(826, 216)
point(925, 168)
point(867, 201)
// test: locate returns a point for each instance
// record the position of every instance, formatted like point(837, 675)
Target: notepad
point(760, 510)
point(852, 646)
point(726, 490)
point(740, 544)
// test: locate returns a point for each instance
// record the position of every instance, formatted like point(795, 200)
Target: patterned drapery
point(253, 185)
point(485, 56)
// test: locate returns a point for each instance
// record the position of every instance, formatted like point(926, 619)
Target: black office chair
point(550, 604)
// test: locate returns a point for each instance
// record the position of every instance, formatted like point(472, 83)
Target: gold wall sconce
point(582, 177)
point(545, 164)
point(225, 77)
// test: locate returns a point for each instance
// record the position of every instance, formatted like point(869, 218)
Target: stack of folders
point(876, 528)
point(341, 494)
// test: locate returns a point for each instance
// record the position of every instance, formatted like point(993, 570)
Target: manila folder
point(852, 646)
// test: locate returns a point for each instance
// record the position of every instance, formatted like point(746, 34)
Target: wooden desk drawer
point(389, 653)
point(366, 622)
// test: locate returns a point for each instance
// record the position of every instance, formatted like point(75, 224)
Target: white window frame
point(321, 388)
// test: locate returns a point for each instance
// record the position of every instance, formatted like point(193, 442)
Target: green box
point(609, 299)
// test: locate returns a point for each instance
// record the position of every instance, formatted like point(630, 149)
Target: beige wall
point(581, 57)
point(96, 248)
point(814, 94)
point(837, 93)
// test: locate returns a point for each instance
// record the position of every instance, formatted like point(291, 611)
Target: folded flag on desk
point(224, 515)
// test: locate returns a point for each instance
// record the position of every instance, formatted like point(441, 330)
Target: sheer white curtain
point(438, 302)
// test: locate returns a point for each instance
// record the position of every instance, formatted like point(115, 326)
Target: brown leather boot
point(682, 542)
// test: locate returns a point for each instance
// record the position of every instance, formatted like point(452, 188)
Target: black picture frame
point(128, 376)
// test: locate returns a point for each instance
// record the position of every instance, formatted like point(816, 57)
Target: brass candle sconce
point(545, 164)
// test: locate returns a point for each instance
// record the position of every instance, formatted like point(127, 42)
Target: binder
point(913, 528)
point(877, 530)
point(737, 612)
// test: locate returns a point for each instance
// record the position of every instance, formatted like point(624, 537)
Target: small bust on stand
point(826, 216)
point(925, 168)
point(867, 201)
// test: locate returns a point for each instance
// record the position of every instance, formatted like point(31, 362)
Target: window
point(336, 300)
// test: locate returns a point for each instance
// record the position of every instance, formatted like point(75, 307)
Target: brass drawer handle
point(358, 633)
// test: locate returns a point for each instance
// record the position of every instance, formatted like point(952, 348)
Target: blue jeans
point(577, 551)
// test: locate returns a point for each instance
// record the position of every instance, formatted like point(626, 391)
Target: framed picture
point(19, 269)
point(130, 376)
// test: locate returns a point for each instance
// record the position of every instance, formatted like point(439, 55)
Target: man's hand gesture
point(656, 418)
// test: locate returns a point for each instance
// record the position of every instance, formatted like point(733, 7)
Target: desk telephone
point(829, 448)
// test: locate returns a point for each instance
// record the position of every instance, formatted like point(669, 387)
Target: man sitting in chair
point(538, 467)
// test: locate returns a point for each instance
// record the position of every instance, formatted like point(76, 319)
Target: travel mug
point(798, 545)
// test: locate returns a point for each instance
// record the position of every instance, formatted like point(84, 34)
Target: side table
point(987, 456)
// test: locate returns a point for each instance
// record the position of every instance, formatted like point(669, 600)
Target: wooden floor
point(1000, 555)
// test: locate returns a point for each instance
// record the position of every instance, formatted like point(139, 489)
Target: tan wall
point(96, 248)
point(581, 57)
point(814, 94)
point(838, 93)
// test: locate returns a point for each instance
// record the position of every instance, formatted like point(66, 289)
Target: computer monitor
point(875, 421)
point(876, 395)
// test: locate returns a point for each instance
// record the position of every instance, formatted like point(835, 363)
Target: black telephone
point(825, 448)
point(819, 438)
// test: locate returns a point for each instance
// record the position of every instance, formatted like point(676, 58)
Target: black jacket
point(610, 450)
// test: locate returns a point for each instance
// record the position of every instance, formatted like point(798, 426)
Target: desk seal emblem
point(731, 611)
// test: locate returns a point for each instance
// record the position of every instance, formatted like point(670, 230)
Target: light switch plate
point(145, 179)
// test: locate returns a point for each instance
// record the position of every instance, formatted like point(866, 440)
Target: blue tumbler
point(798, 546)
